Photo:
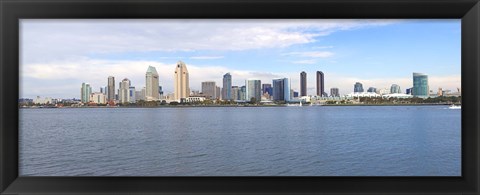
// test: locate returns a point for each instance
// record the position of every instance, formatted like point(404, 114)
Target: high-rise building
point(160, 91)
point(181, 82)
point(209, 89)
point(227, 87)
point(334, 92)
point(303, 83)
point(358, 87)
point(151, 84)
point(253, 90)
point(320, 83)
point(235, 93)
point(85, 92)
point(131, 93)
point(139, 95)
point(267, 88)
point(111, 89)
point(420, 85)
point(395, 89)
point(242, 93)
point(281, 90)
point(372, 89)
point(124, 91)
point(218, 94)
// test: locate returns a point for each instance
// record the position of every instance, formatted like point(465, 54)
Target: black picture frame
point(13, 10)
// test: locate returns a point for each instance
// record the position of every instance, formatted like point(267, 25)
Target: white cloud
point(44, 40)
point(206, 57)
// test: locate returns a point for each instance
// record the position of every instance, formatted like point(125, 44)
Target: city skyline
point(377, 53)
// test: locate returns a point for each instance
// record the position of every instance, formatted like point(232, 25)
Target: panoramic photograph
point(240, 97)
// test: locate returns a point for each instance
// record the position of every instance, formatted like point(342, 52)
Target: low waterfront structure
point(397, 95)
point(194, 99)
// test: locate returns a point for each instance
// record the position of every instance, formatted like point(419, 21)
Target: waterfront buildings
point(281, 90)
point(383, 91)
point(131, 94)
point(372, 89)
point(151, 84)
point(320, 84)
point(358, 87)
point(40, 100)
point(395, 89)
point(111, 89)
point(194, 99)
point(242, 93)
point(420, 85)
point(253, 90)
point(85, 92)
point(334, 92)
point(235, 93)
point(140, 95)
point(209, 89)
point(303, 84)
point(124, 91)
point(218, 94)
point(98, 98)
point(227, 87)
point(181, 81)
point(267, 88)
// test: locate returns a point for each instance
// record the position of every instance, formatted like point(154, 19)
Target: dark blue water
point(261, 141)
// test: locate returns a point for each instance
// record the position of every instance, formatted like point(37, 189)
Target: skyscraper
point(235, 93)
point(320, 83)
point(131, 93)
point(227, 87)
point(151, 84)
point(242, 93)
point(358, 87)
point(181, 82)
point(395, 89)
point(111, 89)
point(85, 92)
point(253, 90)
point(209, 89)
point(420, 85)
point(334, 92)
point(281, 89)
point(124, 91)
point(372, 89)
point(267, 88)
point(303, 83)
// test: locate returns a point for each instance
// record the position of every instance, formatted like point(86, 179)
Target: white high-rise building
point(151, 84)
point(124, 91)
point(181, 82)
point(254, 89)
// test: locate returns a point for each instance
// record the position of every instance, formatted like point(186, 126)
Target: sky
point(58, 55)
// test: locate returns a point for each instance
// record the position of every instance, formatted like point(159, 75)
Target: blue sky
point(58, 55)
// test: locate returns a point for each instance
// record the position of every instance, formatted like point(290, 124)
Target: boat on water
point(453, 106)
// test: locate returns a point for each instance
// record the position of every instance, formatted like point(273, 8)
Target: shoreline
point(241, 106)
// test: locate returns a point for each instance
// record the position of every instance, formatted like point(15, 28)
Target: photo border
point(11, 11)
